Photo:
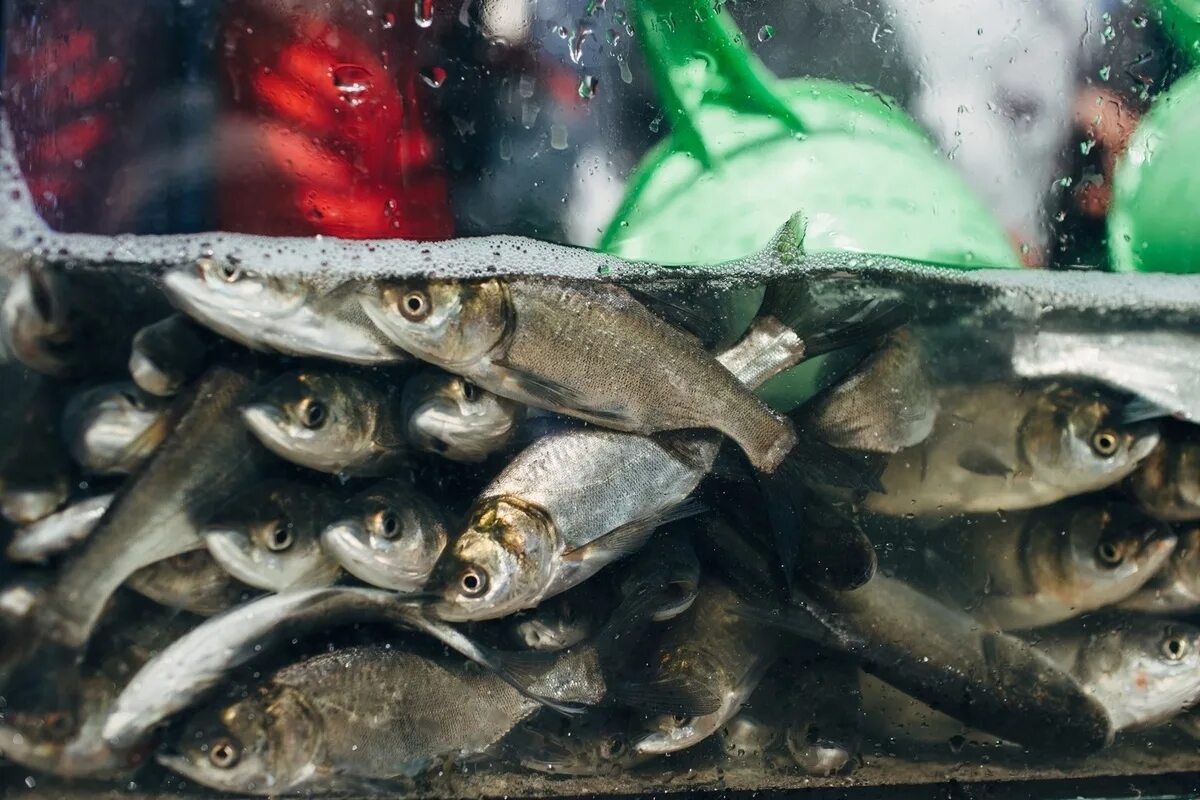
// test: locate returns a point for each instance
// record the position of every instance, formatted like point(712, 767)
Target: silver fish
point(746, 736)
point(592, 745)
point(289, 315)
point(561, 622)
point(389, 535)
point(589, 350)
point(191, 581)
point(332, 421)
point(1167, 484)
point(113, 428)
point(1176, 588)
point(168, 354)
point(1012, 446)
point(1143, 671)
point(450, 416)
point(58, 532)
point(269, 536)
point(574, 501)
point(671, 563)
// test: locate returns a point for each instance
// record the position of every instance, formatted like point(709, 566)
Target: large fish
point(590, 350)
point(1013, 446)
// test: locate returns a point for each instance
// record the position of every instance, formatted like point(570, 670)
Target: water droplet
point(1105, 71)
point(30, 782)
point(389, 20)
point(353, 82)
point(593, 6)
point(1086, 147)
point(389, 207)
point(654, 124)
point(433, 77)
point(558, 136)
point(588, 86)
point(765, 32)
point(577, 40)
point(423, 12)
point(1140, 21)
point(612, 36)
point(626, 72)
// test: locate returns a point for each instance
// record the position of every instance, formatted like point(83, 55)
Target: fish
point(59, 320)
point(167, 354)
point(562, 621)
point(291, 315)
point(591, 745)
point(363, 713)
point(668, 563)
point(1167, 484)
point(1175, 588)
point(706, 664)
point(1034, 568)
point(450, 416)
point(389, 535)
point(746, 736)
point(986, 679)
point(193, 581)
point(584, 349)
point(113, 428)
point(58, 532)
point(574, 501)
point(1142, 671)
point(330, 420)
point(201, 659)
point(269, 536)
point(885, 405)
point(158, 514)
point(1012, 446)
point(35, 470)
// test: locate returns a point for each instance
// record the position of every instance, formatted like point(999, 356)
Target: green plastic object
point(746, 151)
point(1154, 221)
point(1181, 20)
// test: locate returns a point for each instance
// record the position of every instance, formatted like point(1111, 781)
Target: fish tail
point(764, 437)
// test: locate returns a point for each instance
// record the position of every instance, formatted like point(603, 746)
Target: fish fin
point(1139, 409)
point(521, 669)
point(667, 695)
point(787, 244)
point(794, 618)
point(844, 556)
point(873, 319)
point(626, 623)
point(558, 395)
point(674, 311)
point(630, 537)
point(983, 461)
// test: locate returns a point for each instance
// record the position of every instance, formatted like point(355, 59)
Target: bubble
point(389, 20)
point(766, 32)
point(352, 82)
point(434, 77)
point(423, 13)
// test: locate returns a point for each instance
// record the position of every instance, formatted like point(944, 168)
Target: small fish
point(1167, 484)
point(669, 564)
point(560, 622)
point(35, 470)
point(1143, 671)
point(289, 315)
point(884, 406)
point(193, 581)
point(113, 428)
point(1176, 588)
point(344, 718)
point(168, 354)
point(590, 745)
point(1028, 569)
point(1013, 446)
point(58, 532)
point(450, 416)
point(332, 421)
point(389, 535)
point(269, 536)
point(207, 457)
point(589, 350)
point(61, 322)
point(746, 736)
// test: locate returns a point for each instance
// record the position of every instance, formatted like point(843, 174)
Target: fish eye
point(613, 747)
point(414, 305)
point(230, 273)
point(1109, 553)
point(1105, 442)
point(279, 537)
point(312, 413)
point(473, 582)
point(58, 723)
point(224, 753)
point(680, 719)
point(470, 392)
point(1174, 647)
point(387, 524)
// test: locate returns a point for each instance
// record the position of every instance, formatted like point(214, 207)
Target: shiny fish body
point(450, 416)
point(586, 350)
point(113, 428)
point(1011, 446)
point(191, 581)
point(286, 315)
point(1167, 484)
point(1176, 588)
point(58, 532)
point(166, 355)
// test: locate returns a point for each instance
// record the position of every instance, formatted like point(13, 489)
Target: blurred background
point(974, 132)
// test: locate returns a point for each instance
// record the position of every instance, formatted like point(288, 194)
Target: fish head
point(669, 733)
point(450, 416)
point(225, 293)
point(112, 429)
point(263, 744)
point(1145, 672)
point(392, 538)
point(23, 505)
point(269, 538)
point(746, 735)
point(445, 322)
point(1112, 550)
point(35, 320)
point(594, 750)
point(310, 418)
point(1186, 473)
point(554, 625)
point(1076, 440)
point(500, 564)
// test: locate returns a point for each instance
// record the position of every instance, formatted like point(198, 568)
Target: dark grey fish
point(168, 354)
point(191, 581)
point(113, 428)
point(35, 472)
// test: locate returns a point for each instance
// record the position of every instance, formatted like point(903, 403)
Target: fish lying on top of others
point(450, 416)
point(113, 428)
point(1176, 587)
point(589, 350)
point(290, 315)
point(330, 420)
point(1167, 484)
point(1012, 446)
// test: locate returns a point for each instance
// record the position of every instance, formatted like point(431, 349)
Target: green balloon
point(1154, 221)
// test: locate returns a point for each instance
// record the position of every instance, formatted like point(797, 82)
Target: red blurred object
point(322, 127)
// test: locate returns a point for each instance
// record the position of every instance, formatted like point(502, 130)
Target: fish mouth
point(233, 551)
point(26, 506)
point(347, 543)
point(266, 422)
point(149, 377)
point(181, 765)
